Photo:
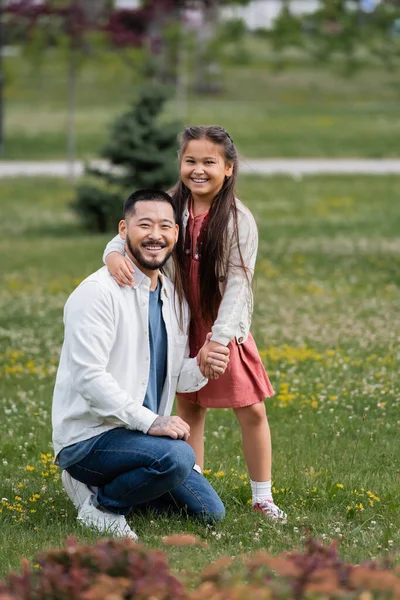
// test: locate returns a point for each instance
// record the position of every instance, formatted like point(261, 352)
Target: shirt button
point(240, 340)
point(222, 278)
point(147, 358)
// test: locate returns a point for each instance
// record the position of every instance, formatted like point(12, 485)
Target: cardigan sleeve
point(238, 293)
point(117, 244)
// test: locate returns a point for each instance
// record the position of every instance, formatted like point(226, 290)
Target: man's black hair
point(146, 195)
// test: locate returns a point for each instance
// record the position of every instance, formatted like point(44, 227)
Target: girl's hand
point(213, 358)
point(121, 269)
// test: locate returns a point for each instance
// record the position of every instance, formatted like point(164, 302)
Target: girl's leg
point(256, 439)
point(258, 455)
point(195, 416)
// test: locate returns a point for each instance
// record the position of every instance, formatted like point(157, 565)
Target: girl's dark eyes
point(208, 162)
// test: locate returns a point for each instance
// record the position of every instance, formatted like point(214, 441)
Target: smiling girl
point(216, 253)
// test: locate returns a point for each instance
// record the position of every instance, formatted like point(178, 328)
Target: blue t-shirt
point(158, 352)
point(158, 369)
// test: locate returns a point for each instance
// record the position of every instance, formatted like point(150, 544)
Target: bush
point(99, 209)
point(117, 569)
point(141, 153)
point(123, 570)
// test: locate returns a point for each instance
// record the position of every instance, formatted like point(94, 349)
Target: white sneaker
point(104, 521)
point(270, 510)
point(77, 492)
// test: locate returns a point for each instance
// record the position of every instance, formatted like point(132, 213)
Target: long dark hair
point(213, 259)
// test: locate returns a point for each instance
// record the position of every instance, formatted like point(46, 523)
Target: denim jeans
point(133, 470)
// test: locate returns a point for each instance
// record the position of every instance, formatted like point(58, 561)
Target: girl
point(216, 253)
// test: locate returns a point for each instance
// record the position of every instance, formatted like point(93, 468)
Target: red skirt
point(245, 381)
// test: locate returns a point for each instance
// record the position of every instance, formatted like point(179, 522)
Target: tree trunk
point(93, 9)
point(71, 133)
point(206, 76)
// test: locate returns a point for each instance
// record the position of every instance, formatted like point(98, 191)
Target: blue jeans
point(134, 470)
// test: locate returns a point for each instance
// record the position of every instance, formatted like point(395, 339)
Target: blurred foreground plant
point(123, 570)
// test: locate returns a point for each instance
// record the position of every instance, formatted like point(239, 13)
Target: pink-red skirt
point(244, 382)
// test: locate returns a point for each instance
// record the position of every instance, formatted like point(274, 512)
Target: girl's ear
point(122, 227)
point(228, 169)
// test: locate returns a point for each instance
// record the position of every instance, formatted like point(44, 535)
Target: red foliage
point(122, 570)
point(122, 27)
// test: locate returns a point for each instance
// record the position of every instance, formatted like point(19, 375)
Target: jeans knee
point(180, 460)
point(216, 512)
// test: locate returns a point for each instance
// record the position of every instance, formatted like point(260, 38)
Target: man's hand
point(121, 269)
point(213, 358)
point(173, 427)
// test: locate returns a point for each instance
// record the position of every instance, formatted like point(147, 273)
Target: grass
point(326, 323)
point(308, 110)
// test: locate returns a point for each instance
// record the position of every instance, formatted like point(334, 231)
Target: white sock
point(260, 490)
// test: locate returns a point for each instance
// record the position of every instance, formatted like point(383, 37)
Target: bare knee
point(252, 416)
point(189, 410)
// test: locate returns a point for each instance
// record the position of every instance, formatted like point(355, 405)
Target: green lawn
point(326, 323)
point(305, 111)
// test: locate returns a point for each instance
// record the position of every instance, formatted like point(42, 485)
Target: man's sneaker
point(270, 510)
point(103, 521)
point(77, 492)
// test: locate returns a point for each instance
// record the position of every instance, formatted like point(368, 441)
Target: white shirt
point(105, 359)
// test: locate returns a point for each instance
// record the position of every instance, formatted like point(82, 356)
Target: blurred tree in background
point(140, 153)
point(339, 30)
point(186, 43)
point(80, 27)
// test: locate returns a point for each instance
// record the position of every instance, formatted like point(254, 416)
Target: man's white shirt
point(105, 359)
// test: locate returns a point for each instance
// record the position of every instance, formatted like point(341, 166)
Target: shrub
point(141, 153)
point(117, 569)
point(318, 572)
point(99, 209)
point(122, 570)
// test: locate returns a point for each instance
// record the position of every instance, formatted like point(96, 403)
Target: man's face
point(150, 233)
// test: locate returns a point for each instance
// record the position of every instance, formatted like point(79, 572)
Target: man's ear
point(176, 233)
point(122, 229)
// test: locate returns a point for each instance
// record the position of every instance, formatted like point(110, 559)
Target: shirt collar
point(141, 278)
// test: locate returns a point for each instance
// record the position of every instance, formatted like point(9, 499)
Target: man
point(124, 356)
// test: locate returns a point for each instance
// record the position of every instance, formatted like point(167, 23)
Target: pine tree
point(141, 153)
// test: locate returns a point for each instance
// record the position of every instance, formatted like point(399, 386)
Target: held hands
point(213, 358)
point(120, 268)
point(173, 427)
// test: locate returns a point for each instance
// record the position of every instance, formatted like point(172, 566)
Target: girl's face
point(203, 169)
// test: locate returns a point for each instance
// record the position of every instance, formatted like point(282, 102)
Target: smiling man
point(124, 356)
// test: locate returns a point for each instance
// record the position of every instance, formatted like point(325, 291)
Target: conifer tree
point(141, 153)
